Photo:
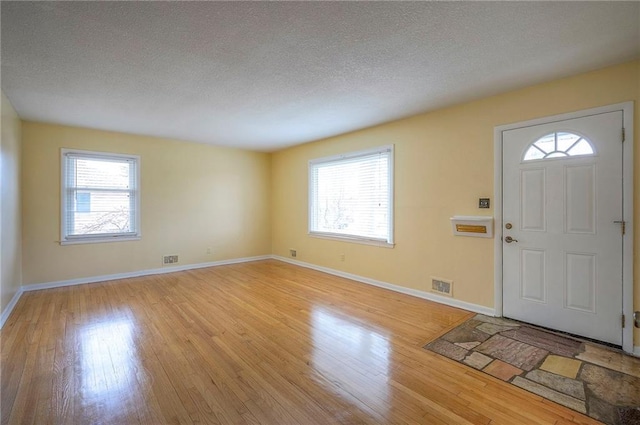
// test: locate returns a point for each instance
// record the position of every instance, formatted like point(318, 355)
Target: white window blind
point(351, 196)
point(100, 197)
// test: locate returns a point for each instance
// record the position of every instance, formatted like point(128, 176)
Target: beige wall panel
point(10, 237)
point(443, 164)
point(193, 197)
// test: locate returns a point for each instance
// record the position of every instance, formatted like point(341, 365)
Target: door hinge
point(623, 135)
point(623, 225)
point(622, 320)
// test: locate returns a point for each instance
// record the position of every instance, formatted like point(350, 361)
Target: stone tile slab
point(447, 349)
point(550, 394)
point(610, 359)
point(466, 333)
point(492, 328)
point(502, 370)
point(477, 360)
point(561, 366)
point(629, 415)
point(519, 354)
point(555, 344)
point(468, 345)
point(496, 320)
point(564, 385)
point(613, 387)
point(586, 377)
point(602, 411)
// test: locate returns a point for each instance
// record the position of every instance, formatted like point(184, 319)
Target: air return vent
point(169, 259)
point(442, 286)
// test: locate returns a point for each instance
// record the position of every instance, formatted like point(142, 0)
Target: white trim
point(9, 308)
point(389, 242)
point(392, 194)
point(497, 212)
point(66, 239)
point(396, 288)
point(107, 277)
point(627, 215)
point(354, 154)
point(627, 241)
point(354, 239)
point(636, 351)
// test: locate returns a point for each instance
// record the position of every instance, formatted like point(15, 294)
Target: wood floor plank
point(253, 343)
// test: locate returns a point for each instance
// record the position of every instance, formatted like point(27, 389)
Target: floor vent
point(169, 259)
point(442, 286)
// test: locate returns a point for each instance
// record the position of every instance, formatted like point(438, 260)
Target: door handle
point(509, 239)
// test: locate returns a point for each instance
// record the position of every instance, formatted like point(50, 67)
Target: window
point(351, 196)
point(100, 197)
point(558, 145)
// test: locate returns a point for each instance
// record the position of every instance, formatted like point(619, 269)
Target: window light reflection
point(349, 352)
point(109, 360)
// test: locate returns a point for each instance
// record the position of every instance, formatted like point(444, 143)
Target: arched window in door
point(559, 145)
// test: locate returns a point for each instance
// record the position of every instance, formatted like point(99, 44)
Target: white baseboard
point(408, 291)
point(170, 269)
point(7, 311)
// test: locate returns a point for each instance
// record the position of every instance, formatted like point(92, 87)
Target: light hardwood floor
point(255, 343)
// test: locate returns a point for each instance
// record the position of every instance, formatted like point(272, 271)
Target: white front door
point(562, 245)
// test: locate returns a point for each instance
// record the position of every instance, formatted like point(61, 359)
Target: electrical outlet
point(293, 253)
point(341, 257)
point(208, 250)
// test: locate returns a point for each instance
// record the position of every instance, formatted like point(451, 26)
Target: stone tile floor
point(596, 380)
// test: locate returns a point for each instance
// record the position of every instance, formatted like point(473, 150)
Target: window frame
point(65, 238)
point(389, 242)
point(565, 153)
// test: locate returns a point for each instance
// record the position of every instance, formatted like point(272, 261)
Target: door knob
point(509, 239)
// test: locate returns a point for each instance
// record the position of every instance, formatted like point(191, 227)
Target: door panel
point(533, 275)
point(580, 199)
point(563, 269)
point(532, 199)
point(581, 281)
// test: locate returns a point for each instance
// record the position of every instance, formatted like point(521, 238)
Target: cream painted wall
point(10, 237)
point(242, 204)
point(193, 197)
point(443, 164)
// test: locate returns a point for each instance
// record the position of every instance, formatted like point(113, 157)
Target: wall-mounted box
point(472, 225)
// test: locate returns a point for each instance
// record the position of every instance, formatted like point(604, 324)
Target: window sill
point(100, 240)
point(353, 239)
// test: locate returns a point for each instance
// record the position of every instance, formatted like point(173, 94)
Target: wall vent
point(442, 286)
point(169, 259)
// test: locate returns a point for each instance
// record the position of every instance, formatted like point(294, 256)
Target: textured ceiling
point(266, 75)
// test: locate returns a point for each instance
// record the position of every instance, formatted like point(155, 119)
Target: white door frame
point(627, 207)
